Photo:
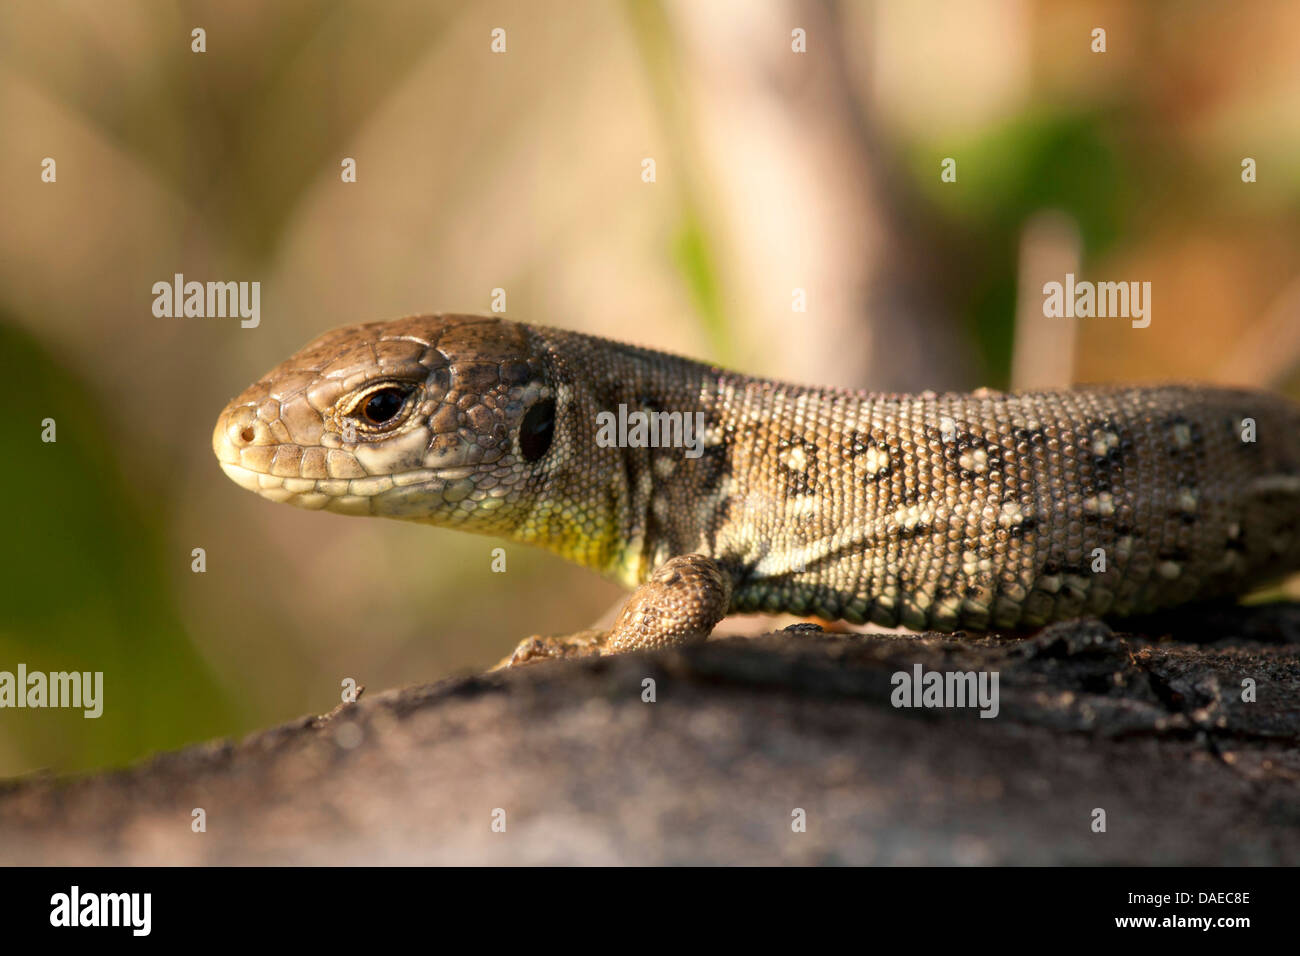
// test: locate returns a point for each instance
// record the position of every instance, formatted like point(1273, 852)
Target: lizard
point(710, 492)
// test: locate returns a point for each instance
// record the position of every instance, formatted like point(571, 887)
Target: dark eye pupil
point(383, 405)
point(537, 429)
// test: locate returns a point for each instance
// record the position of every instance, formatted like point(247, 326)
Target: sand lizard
point(943, 511)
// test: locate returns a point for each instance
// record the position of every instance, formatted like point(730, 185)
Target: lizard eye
point(382, 406)
point(537, 430)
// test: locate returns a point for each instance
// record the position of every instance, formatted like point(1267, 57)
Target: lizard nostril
point(240, 426)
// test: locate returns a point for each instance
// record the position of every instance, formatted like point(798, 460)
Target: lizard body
point(976, 511)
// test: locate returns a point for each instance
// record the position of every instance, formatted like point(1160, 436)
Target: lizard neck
point(664, 456)
point(643, 468)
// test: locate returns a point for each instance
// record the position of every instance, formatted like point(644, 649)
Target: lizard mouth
point(412, 493)
point(330, 479)
point(344, 495)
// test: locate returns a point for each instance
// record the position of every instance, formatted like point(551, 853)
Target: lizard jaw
point(416, 494)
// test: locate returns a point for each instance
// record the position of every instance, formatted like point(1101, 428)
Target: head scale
point(448, 419)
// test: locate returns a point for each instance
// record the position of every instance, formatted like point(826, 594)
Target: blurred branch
point(805, 198)
point(1043, 355)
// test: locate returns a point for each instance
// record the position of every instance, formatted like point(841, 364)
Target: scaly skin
point(975, 511)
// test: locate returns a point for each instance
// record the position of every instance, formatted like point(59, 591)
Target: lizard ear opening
point(537, 430)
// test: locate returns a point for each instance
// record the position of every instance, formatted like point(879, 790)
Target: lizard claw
point(589, 643)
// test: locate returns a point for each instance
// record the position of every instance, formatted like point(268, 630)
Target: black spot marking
point(905, 534)
point(798, 481)
point(1019, 529)
point(913, 495)
point(1190, 448)
point(1103, 472)
point(857, 444)
point(966, 444)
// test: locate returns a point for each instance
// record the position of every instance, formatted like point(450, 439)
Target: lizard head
point(447, 419)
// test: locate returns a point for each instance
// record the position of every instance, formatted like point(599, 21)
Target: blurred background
point(522, 170)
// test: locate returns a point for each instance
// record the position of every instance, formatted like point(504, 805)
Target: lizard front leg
point(682, 602)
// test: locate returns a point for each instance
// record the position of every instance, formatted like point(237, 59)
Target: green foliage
point(1038, 161)
point(85, 581)
point(695, 261)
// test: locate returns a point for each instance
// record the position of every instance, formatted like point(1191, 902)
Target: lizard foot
point(589, 643)
point(681, 602)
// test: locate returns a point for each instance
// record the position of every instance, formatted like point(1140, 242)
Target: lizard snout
point(238, 427)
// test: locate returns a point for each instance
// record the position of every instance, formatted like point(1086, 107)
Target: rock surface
point(741, 733)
